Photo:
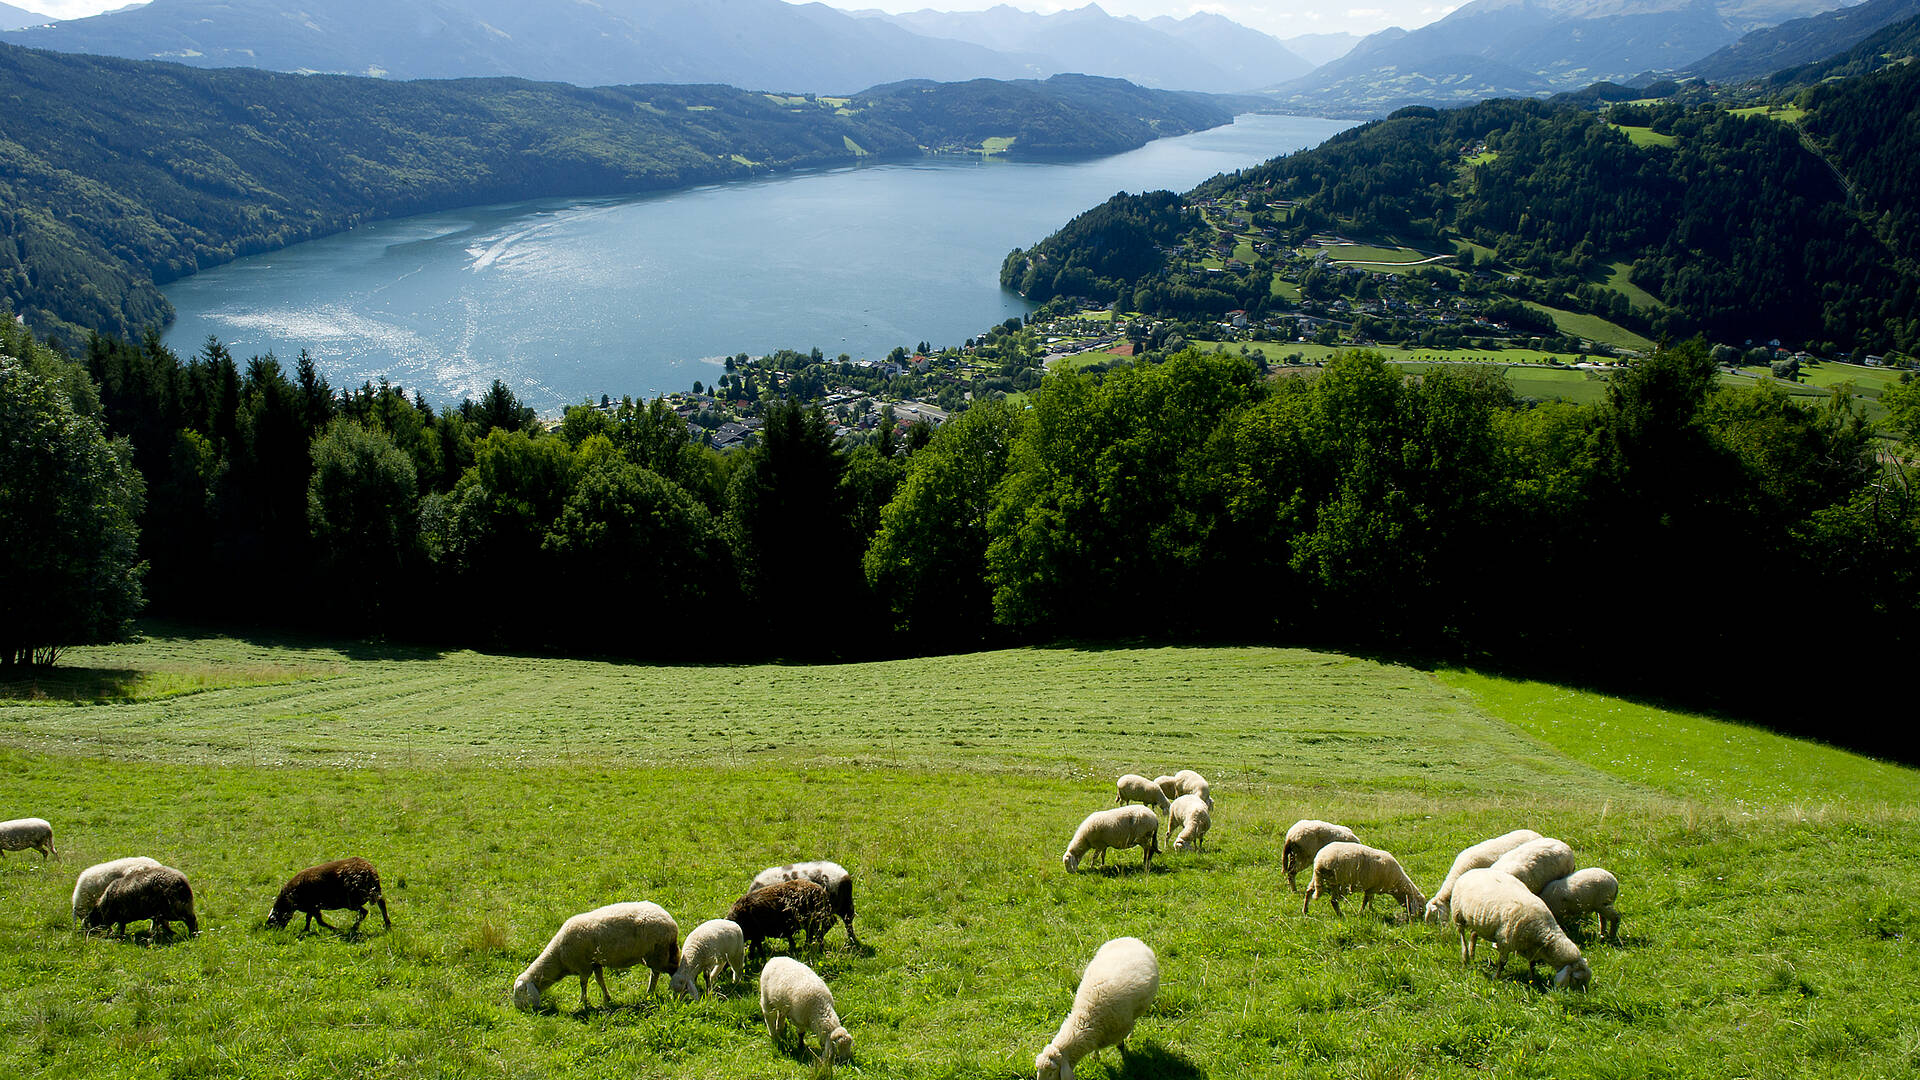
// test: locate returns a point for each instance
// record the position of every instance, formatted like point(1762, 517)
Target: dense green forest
point(117, 176)
point(1744, 227)
point(1664, 540)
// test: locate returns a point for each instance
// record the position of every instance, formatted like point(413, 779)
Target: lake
point(569, 299)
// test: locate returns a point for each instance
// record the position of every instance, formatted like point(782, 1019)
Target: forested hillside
point(1801, 41)
point(117, 176)
point(1747, 227)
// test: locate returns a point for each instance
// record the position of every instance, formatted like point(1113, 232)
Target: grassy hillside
point(1767, 884)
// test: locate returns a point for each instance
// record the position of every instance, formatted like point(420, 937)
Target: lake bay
point(569, 299)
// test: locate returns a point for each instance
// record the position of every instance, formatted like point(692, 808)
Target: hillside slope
point(1800, 41)
point(117, 176)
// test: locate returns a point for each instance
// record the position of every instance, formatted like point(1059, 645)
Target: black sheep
point(350, 883)
point(783, 910)
point(158, 893)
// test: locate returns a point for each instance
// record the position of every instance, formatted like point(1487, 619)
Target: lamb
point(94, 880)
point(156, 893)
point(616, 936)
point(1572, 897)
point(712, 947)
point(1136, 788)
point(1122, 827)
point(27, 832)
point(1483, 854)
point(790, 991)
point(1304, 841)
point(1190, 815)
point(1116, 991)
point(1497, 906)
point(1188, 782)
point(783, 910)
point(830, 875)
point(1537, 862)
point(350, 883)
point(1341, 868)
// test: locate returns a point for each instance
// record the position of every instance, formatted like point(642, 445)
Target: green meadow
point(1768, 885)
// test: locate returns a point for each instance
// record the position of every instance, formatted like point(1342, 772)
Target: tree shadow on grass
point(71, 684)
point(1151, 1061)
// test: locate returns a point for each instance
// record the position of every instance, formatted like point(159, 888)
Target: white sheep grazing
point(1116, 991)
point(1188, 782)
point(1481, 855)
point(1305, 840)
point(1537, 862)
point(1190, 815)
point(1592, 890)
point(1342, 868)
point(94, 880)
point(616, 936)
point(1497, 906)
point(27, 832)
point(1122, 827)
point(1169, 786)
point(790, 991)
point(712, 947)
point(1136, 788)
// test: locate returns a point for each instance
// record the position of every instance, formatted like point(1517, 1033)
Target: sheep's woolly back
point(613, 937)
point(791, 991)
point(1483, 854)
point(27, 832)
point(1168, 785)
point(1121, 827)
point(1136, 788)
point(1306, 838)
point(94, 880)
point(1341, 868)
point(1188, 782)
point(1591, 890)
point(1190, 815)
point(1116, 991)
point(155, 893)
point(1537, 862)
point(1498, 907)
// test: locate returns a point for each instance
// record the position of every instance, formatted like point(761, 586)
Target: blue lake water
point(568, 299)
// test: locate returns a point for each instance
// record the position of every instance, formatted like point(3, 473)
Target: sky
point(1281, 18)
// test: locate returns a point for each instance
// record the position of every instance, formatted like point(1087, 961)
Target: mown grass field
point(1768, 885)
point(1594, 328)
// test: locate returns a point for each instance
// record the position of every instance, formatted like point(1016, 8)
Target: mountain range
point(1800, 41)
point(1529, 48)
point(760, 44)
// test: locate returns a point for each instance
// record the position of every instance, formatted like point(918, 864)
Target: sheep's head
point(1574, 976)
point(1437, 912)
point(1051, 1064)
point(1071, 861)
point(842, 1043)
point(683, 985)
point(281, 915)
point(526, 993)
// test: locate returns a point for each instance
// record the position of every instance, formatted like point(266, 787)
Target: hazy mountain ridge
point(1800, 41)
point(752, 43)
point(1201, 52)
point(12, 18)
point(1524, 48)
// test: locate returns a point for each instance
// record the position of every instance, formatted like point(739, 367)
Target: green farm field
point(1767, 885)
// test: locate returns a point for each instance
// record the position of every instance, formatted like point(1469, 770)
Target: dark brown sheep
point(351, 883)
point(783, 910)
point(157, 893)
point(829, 875)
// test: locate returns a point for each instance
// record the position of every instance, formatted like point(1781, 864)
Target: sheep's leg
point(774, 1024)
point(1466, 945)
point(1366, 901)
point(599, 973)
point(382, 901)
point(307, 927)
point(355, 928)
point(852, 938)
point(316, 916)
point(1335, 901)
point(1308, 906)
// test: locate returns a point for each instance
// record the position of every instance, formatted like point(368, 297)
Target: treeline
point(1680, 538)
point(118, 176)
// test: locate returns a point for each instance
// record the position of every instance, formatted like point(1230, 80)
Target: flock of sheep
point(1520, 891)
